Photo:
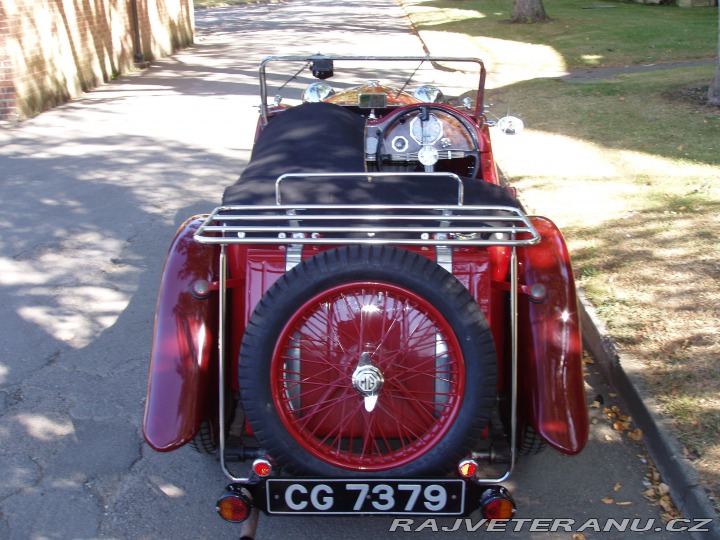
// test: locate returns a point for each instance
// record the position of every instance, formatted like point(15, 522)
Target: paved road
point(92, 193)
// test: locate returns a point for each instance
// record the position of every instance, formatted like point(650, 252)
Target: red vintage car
point(370, 323)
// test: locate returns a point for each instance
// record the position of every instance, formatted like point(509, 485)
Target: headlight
point(318, 91)
point(429, 94)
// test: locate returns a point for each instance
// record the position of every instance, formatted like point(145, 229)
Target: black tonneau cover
point(326, 138)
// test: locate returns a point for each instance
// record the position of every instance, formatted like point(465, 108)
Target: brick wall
point(53, 50)
point(7, 88)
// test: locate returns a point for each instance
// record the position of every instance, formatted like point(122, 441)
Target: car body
point(370, 320)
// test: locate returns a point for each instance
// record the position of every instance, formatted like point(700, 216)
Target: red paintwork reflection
point(184, 346)
point(487, 157)
point(263, 268)
point(550, 345)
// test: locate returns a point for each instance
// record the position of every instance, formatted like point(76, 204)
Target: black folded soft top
point(324, 138)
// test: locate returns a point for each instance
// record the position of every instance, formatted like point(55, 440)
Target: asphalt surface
point(92, 193)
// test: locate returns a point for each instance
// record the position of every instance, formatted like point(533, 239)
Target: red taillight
point(496, 503)
point(467, 468)
point(234, 505)
point(262, 467)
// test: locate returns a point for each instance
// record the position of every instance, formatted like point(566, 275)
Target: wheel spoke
point(345, 423)
point(424, 412)
point(322, 408)
point(421, 407)
point(291, 384)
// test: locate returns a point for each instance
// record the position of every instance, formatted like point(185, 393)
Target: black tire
point(459, 323)
point(207, 439)
point(204, 440)
point(530, 442)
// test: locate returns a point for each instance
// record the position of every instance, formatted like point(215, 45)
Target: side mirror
point(510, 125)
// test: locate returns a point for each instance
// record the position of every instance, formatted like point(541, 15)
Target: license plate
point(333, 496)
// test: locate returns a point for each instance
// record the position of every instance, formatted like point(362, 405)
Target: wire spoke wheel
point(367, 359)
point(360, 346)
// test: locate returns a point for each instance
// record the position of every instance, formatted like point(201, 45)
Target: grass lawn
point(629, 168)
point(584, 32)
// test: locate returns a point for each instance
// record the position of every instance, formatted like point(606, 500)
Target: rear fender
point(552, 391)
point(183, 366)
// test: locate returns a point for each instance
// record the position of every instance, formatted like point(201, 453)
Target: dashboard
point(421, 134)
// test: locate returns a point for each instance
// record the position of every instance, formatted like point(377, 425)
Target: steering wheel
point(432, 155)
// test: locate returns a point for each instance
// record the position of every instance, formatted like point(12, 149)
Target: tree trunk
point(529, 11)
point(714, 92)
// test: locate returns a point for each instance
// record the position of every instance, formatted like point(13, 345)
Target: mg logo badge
point(367, 380)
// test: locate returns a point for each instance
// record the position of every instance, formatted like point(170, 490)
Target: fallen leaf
point(624, 503)
point(636, 435)
point(608, 500)
point(617, 486)
point(650, 494)
point(578, 536)
point(620, 426)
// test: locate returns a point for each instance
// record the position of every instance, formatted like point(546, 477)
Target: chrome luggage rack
point(401, 224)
point(369, 224)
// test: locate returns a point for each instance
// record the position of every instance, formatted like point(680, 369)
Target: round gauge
point(428, 155)
point(400, 144)
point(427, 132)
